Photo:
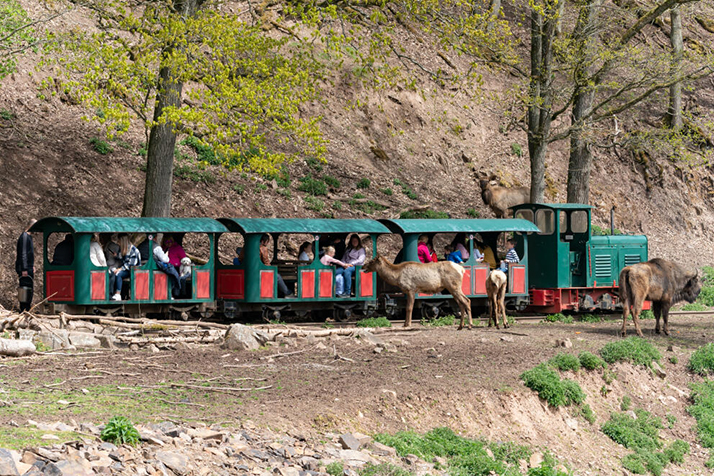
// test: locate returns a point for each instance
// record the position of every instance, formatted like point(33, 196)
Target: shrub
point(261, 187)
point(559, 317)
point(625, 403)
point(387, 191)
point(100, 146)
point(551, 388)
point(590, 361)
point(364, 183)
point(335, 469)
point(591, 318)
point(633, 433)
point(472, 213)
point(187, 172)
point(706, 297)
point(671, 420)
point(440, 321)
point(564, 362)
point(312, 186)
point(702, 410)
point(120, 431)
point(383, 469)
point(314, 204)
point(409, 193)
point(608, 376)
point(337, 205)
point(6, 115)
point(424, 214)
point(284, 192)
point(331, 181)
point(239, 189)
point(673, 359)
point(694, 307)
point(374, 322)
point(204, 153)
point(314, 164)
point(588, 413)
point(358, 196)
point(702, 360)
point(646, 315)
point(516, 149)
point(633, 349)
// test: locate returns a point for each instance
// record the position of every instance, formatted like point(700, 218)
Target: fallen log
point(16, 348)
point(70, 317)
point(209, 339)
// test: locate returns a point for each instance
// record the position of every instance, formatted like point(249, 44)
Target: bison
point(660, 281)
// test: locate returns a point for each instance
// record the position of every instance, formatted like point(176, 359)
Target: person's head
point(167, 242)
point(265, 239)
point(355, 242)
point(423, 239)
point(239, 250)
point(105, 238)
point(330, 251)
point(94, 238)
point(305, 247)
point(449, 248)
point(29, 225)
point(511, 244)
point(124, 243)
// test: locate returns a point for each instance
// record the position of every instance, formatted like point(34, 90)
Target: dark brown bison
point(660, 281)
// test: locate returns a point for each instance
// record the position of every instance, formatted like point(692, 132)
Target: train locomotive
point(563, 267)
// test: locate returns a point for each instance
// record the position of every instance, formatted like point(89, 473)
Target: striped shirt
point(512, 256)
point(132, 258)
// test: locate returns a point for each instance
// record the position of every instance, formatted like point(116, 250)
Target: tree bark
point(580, 161)
point(162, 138)
point(674, 114)
point(544, 25)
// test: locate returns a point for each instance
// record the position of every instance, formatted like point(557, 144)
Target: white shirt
point(304, 256)
point(96, 254)
point(161, 255)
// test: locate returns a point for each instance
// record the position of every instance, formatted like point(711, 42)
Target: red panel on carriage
point(366, 286)
point(267, 284)
point(466, 283)
point(480, 275)
point(161, 286)
point(518, 279)
point(60, 285)
point(99, 286)
point(203, 284)
point(141, 285)
point(231, 284)
point(325, 284)
point(307, 284)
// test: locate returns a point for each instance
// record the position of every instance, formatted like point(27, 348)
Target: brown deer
point(413, 278)
point(496, 290)
point(500, 199)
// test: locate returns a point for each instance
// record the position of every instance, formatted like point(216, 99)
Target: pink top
point(176, 254)
point(328, 260)
point(423, 253)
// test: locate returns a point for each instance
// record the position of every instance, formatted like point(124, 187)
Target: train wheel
point(342, 315)
point(429, 312)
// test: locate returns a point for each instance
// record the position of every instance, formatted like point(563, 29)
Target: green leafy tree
point(192, 67)
point(16, 35)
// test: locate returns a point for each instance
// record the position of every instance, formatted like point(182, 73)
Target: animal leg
point(665, 316)
point(492, 312)
point(410, 308)
point(465, 305)
point(636, 310)
point(502, 305)
point(657, 309)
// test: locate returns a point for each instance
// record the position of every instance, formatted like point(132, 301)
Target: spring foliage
point(15, 35)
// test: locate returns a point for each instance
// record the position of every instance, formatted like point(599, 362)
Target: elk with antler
point(499, 198)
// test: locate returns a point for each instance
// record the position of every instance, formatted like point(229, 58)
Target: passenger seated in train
point(130, 258)
point(142, 243)
point(337, 242)
point(355, 255)
point(459, 244)
point(328, 258)
point(423, 249)
point(239, 256)
point(432, 251)
point(511, 256)
point(163, 263)
point(265, 258)
point(453, 255)
point(305, 251)
point(96, 254)
point(112, 255)
point(64, 252)
point(488, 256)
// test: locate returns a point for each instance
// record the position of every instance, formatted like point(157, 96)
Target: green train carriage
point(570, 269)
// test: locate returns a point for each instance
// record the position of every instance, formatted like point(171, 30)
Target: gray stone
point(74, 468)
point(507, 339)
point(7, 464)
point(372, 339)
point(355, 458)
point(174, 461)
point(82, 340)
point(411, 459)
point(240, 337)
point(205, 434)
point(106, 446)
point(659, 371)
point(51, 469)
point(89, 428)
point(106, 341)
point(382, 450)
point(57, 339)
point(310, 463)
point(349, 442)
point(167, 428)
point(564, 343)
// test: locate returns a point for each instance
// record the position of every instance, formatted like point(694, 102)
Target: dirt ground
point(466, 380)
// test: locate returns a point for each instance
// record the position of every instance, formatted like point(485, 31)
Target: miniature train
point(563, 267)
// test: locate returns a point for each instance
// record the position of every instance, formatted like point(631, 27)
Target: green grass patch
point(551, 388)
point(312, 186)
point(695, 307)
point(635, 350)
point(21, 438)
point(314, 203)
point(332, 182)
point(646, 315)
point(187, 172)
point(564, 362)
point(100, 146)
point(706, 297)
point(204, 153)
point(591, 318)
point(702, 410)
point(383, 469)
point(335, 469)
point(625, 403)
point(441, 321)
point(120, 431)
point(387, 191)
point(590, 361)
point(314, 163)
point(423, 214)
point(588, 413)
point(702, 360)
point(364, 183)
point(559, 317)
point(374, 322)
point(472, 213)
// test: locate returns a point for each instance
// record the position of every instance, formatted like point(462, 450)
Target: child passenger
point(511, 256)
point(329, 259)
point(453, 255)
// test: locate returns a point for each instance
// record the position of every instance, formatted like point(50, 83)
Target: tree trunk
point(494, 11)
point(674, 114)
point(544, 24)
point(580, 161)
point(162, 138)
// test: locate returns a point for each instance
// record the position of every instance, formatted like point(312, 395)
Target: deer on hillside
point(499, 198)
point(413, 278)
point(496, 290)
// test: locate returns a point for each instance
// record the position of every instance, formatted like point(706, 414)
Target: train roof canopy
point(302, 225)
point(128, 225)
point(417, 225)
point(553, 206)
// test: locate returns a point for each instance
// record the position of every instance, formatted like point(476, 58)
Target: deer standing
point(413, 278)
point(496, 290)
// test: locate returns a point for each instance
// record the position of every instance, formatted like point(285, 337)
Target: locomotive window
point(579, 221)
point(525, 214)
point(545, 221)
point(563, 221)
